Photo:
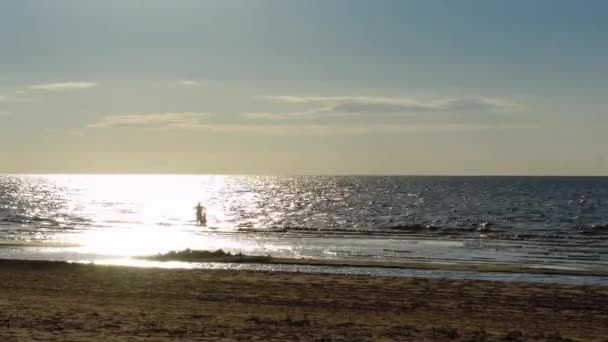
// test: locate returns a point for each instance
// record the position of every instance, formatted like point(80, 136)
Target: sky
point(468, 87)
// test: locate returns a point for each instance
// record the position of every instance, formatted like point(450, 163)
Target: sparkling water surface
point(559, 222)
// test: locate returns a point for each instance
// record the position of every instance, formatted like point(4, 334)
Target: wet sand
point(50, 301)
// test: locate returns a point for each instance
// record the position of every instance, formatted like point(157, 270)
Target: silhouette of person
point(201, 217)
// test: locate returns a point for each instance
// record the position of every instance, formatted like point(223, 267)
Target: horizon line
point(293, 175)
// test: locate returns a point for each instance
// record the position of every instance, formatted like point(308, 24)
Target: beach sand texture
point(48, 301)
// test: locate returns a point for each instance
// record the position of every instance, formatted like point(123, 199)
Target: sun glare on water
point(135, 215)
point(133, 241)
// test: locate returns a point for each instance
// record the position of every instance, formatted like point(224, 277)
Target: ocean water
point(556, 222)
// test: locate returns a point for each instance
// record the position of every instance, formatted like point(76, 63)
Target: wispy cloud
point(153, 120)
point(468, 104)
point(335, 116)
point(190, 83)
point(305, 114)
point(76, 133)
point(354, 104)
point(63, 86)
point(193, 122)
point(266, 116)
point(188, 121)
point(17, 97)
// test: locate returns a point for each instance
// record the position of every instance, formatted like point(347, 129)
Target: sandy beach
point(49, 301)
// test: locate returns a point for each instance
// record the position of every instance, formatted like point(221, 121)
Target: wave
point(485, 231)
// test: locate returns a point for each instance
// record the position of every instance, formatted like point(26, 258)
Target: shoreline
point(220, 256)
point(55, 301)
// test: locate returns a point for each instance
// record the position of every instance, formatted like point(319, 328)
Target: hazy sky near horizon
point(304, 86)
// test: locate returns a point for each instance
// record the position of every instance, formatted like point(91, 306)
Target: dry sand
point(64, 302)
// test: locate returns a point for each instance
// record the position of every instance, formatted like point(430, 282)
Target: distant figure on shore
point(201, 216)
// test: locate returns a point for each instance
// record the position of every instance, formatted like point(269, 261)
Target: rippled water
point(544, 221)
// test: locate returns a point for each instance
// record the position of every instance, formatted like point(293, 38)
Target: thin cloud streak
point(153, 120)
point(306, 114)
point(190, 83)
point(192, 122)
point(354, 104)
point(291, 130)
point(16, 97)
point(336, 116)
point(76, 133)
point(63, 86)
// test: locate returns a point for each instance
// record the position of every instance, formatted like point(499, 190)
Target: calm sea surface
point(559, 222)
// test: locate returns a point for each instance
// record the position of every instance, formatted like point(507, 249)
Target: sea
point(558, 223)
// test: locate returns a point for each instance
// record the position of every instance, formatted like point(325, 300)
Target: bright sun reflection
point(146, 214)
point(132, 241)
point(133, 215)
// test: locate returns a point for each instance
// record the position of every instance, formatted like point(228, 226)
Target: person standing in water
point(201, 217)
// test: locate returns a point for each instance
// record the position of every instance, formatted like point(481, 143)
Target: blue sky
point(334, 86)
